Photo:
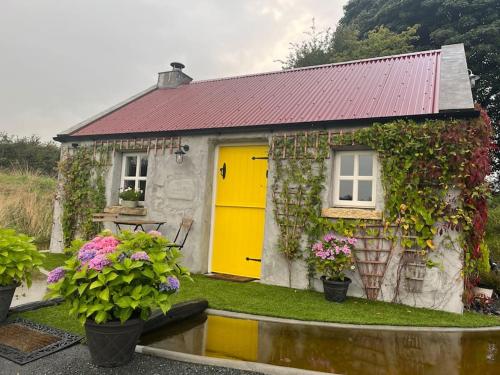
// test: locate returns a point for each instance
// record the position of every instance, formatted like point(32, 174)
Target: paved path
point(76, 360)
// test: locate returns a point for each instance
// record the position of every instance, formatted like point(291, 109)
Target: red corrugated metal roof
point(403, 85)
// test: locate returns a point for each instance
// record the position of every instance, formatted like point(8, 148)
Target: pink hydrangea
point(329, 237)
point(155, 233)
point(99, 262)
point(140, 255)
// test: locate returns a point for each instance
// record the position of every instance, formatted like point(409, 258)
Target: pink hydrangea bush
point(333, 255)
point(116, 277)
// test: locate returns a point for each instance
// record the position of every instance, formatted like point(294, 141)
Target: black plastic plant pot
point(335, 290)
point(6, 295)
point(112, 344)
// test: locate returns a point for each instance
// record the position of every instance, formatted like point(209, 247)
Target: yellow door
point(240, 202)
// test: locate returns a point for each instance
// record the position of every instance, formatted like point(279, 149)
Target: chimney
point(174, 77)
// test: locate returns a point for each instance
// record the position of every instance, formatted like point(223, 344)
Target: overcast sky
point(62, 61)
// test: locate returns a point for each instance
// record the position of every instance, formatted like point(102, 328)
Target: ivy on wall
point(82, 173)
point(433, 174)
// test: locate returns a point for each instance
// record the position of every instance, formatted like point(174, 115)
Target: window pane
point(144, 167)
point(365, 191)
point(347, 165)
point(128, 184)
point(142, 186)
point(345, 190)
point(131, 166)
point(366, 165)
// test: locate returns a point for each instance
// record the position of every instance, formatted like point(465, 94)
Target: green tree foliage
point(346, 43)
point(28, 153)
point(476, 23)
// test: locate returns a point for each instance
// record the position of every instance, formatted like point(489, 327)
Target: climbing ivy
point(433, 174)
point(83, 192)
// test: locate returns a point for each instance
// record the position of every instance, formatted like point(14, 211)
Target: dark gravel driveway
point(76, 360)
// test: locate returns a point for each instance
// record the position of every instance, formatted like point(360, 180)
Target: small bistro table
point(137, 224)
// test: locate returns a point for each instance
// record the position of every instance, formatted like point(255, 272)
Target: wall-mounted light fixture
point(179, 154)
point(473, 78)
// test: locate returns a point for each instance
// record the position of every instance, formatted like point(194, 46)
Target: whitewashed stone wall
point(177, 190)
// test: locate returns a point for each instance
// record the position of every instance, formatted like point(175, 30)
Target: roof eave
point(450, 114)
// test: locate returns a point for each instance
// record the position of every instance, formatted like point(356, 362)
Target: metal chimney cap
point(177, 65)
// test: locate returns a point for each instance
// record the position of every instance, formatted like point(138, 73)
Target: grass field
point(26, 203)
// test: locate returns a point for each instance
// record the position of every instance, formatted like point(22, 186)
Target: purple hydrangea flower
point(55, 275)
point(85, 255)
point(140, 255)
point(99, 262)
point(172, 285)
point(121, 257)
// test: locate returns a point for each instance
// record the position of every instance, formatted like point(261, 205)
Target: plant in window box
point(130, 197)
point(112, 283)
point(332, 256)
point(19, 257)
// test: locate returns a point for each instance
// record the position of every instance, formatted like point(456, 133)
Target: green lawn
point(283, 302)
point(53, 260)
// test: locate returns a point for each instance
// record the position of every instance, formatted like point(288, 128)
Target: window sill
point(121, 210)
point(351, 213)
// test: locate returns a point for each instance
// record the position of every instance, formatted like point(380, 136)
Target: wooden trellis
point(308, 144)
point(287, 212)
point(372, 255)
point(157, 145)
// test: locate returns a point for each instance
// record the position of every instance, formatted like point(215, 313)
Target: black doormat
point(23, 341)
point(226, 277)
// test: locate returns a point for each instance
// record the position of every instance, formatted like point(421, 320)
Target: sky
point(63, 61)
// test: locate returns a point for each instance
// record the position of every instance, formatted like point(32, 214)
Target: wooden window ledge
point(121, 210)
point(351, 213)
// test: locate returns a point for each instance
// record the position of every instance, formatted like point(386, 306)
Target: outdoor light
point(179, 154)
point(472, 78)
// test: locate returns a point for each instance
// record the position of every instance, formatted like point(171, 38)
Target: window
point(134, 172)
point(354, 179)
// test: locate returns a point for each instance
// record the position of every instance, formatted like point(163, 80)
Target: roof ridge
point(321, 66)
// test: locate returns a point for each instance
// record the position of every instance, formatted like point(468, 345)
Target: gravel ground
point(76, 360)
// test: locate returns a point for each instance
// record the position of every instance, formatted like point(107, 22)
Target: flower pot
point(335, 290)
point(112, 344)
point(6, 294)
point(131, 204)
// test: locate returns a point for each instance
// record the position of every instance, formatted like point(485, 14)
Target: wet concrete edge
point(263, 368)
point(237, 315)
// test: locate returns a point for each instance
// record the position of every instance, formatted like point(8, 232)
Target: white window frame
point(137, 176)
point(337, 177)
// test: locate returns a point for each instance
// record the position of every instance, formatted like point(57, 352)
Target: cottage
point(211, 150)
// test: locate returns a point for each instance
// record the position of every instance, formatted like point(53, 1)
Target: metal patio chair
point(182, 234)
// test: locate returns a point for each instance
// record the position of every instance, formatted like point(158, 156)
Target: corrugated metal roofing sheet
point(403, 85)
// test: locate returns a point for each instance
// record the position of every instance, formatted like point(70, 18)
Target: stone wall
point(177, 190)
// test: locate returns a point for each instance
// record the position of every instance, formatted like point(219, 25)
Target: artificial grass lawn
point(259, 299)
point(53, 260)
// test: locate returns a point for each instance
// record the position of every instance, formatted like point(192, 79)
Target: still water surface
point(334, 350)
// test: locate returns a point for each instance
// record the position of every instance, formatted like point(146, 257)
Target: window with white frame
point(135, 172)
point(355, 179)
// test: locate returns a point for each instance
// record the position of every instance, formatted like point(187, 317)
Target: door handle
point(223, 171)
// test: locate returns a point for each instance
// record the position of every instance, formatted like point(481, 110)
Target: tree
point(346, 44)
point(476, 23)
point(28, 152)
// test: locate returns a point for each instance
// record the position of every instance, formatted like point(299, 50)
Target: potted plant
point(331, 256)
point(19, 257)
point(130, 197)
point(112, 283)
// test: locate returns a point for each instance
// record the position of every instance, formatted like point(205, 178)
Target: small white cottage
point(199, 149)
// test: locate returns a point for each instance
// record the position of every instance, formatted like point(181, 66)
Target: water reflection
point(335, 350)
